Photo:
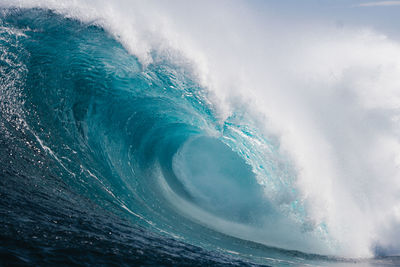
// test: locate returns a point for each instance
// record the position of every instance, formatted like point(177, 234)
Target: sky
point(381, 16)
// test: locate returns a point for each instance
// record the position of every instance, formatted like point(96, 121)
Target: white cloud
point(380, 3)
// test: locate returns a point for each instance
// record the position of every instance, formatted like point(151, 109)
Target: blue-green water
point(104, 160)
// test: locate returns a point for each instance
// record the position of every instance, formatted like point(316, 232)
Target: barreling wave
point(135, 137)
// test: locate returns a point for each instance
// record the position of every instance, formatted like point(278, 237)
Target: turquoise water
point(105, 160)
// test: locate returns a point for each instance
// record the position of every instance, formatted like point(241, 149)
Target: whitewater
point(182, 133)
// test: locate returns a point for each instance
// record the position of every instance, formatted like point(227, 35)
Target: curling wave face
point(142, 138)
point(140, 141)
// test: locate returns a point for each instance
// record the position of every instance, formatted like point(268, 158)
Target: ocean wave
point(148, 125)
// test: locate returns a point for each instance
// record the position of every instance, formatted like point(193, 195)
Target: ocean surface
point(114, 156)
